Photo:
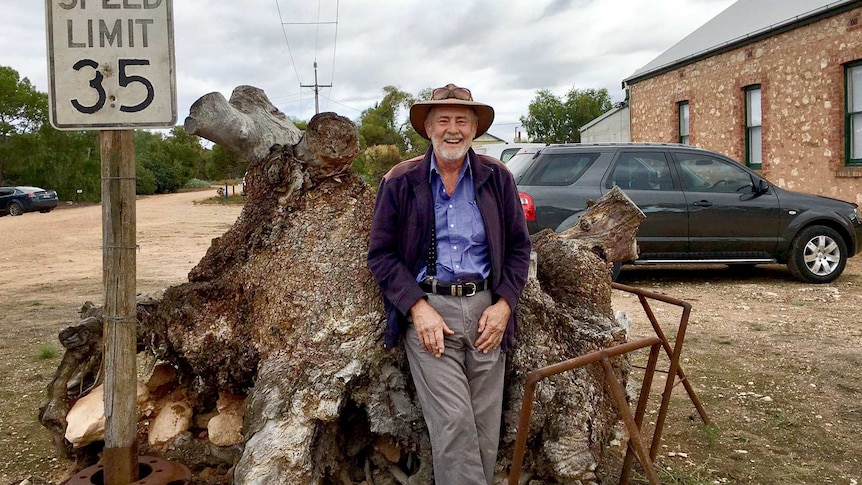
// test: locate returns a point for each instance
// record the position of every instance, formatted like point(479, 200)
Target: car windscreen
point(519, 163)
point(558, 168)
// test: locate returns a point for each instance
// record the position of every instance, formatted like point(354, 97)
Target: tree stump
point(283, 309)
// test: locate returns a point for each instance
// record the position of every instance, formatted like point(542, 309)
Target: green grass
point(780, 419)
point(47, 352)
point(220, 200)
point(711, 434)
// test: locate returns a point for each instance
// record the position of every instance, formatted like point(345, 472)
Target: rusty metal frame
point(635, 448)
point(674, 371)
point(632, 423)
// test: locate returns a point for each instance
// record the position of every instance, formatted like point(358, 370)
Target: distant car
point(18, 200)
point(504, 151)
point(700, 207)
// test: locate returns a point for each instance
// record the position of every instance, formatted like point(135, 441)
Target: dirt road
point(775, 362)
point(49, 265)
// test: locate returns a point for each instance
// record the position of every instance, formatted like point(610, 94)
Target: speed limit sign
point(111, 64)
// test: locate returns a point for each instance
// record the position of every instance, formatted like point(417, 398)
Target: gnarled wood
point(283, 309)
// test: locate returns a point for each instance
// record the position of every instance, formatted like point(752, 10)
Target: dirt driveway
point(775, 362)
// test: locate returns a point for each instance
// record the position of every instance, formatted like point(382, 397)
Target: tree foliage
point(386, 135)
point(551, 119)
point(32, 152)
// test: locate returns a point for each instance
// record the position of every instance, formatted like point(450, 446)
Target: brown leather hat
point(451, 95)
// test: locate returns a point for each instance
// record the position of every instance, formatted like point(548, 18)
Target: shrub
point(197, 184)
point(145, 183)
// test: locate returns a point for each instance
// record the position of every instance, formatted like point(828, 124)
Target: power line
point(284, 32)
point(316, 87)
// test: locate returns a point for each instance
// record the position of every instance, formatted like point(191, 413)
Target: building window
point(853, 110)
point(753, 130)
point(683, 122)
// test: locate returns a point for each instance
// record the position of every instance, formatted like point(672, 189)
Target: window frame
point(849, 115)
point(684, 139)
point(749, 127)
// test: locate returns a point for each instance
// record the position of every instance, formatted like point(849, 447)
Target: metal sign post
point(111, 67)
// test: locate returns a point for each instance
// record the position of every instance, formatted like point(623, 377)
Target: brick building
point(775, 84)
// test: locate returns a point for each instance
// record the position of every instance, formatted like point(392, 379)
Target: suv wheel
point(818, 254)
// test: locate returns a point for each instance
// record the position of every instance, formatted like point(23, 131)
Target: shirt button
point(455, 248)
point(457, 266)
point(451, 225)
point(451, 206)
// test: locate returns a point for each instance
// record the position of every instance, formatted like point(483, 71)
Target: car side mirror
point(761, 187)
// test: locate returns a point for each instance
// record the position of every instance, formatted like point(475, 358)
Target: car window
point(701, 173)
point(519, 164)
point(6, 192)
point(559, 168)
point(642, 171)
point(508, 153)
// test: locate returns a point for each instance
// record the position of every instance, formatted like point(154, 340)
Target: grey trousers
point(461, 393)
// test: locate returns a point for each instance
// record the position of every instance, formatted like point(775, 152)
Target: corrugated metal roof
point(744, 20)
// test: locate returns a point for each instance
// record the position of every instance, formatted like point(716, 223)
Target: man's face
point(451, 129)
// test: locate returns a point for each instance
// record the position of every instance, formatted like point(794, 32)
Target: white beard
point(449, 152)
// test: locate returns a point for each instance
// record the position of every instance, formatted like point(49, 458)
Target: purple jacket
point(401, 236)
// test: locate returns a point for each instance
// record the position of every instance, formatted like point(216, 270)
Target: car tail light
point(529, 207)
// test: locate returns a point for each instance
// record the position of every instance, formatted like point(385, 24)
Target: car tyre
point(615, 270)
point(818, 254)
point(15, 209)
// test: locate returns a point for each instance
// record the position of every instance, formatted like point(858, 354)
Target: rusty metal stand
point(636, 447)
point(673, 372)
point(632, 423)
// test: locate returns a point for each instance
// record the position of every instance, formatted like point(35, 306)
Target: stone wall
point(801, 73)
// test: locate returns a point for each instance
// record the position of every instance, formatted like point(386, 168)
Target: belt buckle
point(468, 285)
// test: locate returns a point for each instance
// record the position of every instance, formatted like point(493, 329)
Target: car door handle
point(702, 203)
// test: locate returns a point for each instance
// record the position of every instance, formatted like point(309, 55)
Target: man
point(450, 249)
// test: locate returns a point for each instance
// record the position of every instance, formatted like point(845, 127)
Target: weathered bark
point(284, 309)
point(609, 227)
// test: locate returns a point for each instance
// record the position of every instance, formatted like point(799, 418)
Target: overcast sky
point(503, 50)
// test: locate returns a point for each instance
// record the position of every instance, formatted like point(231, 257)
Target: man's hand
point(492, 325)
point(430, 327)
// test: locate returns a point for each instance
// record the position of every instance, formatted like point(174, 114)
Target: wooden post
point(118, 277)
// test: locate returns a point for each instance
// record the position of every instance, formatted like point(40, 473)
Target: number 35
point(124, 80)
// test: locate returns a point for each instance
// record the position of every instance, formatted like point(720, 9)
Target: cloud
point(504, 51)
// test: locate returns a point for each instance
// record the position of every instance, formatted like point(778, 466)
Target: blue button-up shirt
point(462, 245)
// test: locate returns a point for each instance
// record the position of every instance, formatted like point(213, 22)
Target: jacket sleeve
point(384, 251)
point(516, 262)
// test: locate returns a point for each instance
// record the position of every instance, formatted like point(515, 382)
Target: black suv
point(701, 207)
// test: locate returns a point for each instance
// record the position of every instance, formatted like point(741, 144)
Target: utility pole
point(316, 88)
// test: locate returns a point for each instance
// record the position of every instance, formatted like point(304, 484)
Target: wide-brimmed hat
point(451, 95)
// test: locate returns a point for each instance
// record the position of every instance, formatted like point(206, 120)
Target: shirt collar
point(467, 168)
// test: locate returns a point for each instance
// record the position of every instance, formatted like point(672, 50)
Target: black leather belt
point(466, 288)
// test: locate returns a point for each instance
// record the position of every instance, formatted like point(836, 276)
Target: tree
point(552, 120)
point(225, 164)
point(174, 160)
point(23, 110)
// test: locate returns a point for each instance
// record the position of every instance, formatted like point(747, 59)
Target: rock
point(388, 449)
point(172, 419)
point(163, 374)
point(225, 429)
point(86, 419)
